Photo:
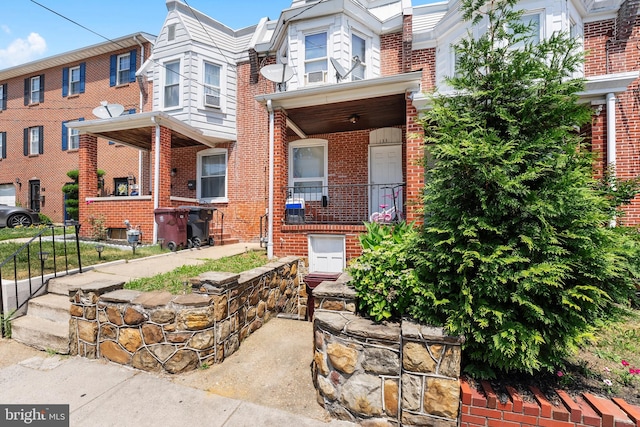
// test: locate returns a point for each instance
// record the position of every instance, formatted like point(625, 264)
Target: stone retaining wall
point(157, 331)
point(382, 374)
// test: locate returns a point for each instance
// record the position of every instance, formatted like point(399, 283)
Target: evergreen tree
point(515, 253)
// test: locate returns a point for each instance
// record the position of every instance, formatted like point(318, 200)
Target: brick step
point(41, 333)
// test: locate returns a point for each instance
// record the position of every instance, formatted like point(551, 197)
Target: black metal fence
point(344, 204)
point(22, 274)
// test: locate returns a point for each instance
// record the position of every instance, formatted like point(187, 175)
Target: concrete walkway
point(267, 382)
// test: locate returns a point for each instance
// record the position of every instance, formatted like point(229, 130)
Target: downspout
point(156, 177)
point(611, 139)
point(141, 108)
point(271, 172)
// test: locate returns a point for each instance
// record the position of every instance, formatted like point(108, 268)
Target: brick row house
point(41, 97)
point(299, 129)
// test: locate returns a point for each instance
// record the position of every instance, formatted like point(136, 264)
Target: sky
point(28, 31)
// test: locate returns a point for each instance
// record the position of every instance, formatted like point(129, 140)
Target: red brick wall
point(605, 55)
point(51, 166)
point(481, 408)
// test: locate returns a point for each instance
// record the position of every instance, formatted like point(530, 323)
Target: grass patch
point(28, 262)
point(174, 281)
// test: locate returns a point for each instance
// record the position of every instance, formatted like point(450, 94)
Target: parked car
point(13, 216)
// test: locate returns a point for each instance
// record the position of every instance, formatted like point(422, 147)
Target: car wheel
point(18, 219)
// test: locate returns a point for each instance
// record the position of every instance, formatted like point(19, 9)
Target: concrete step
point(41, 333)
point(87, 281)
point(229, 241)
point(52, 307)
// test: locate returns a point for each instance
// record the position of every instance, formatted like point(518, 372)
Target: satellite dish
point(106, 111)
point(341, 73)
point(277, 73)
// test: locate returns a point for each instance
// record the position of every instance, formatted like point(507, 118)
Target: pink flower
point(607, 369)
point(634, 371)
point(624, 363)
point(560, 374)
point(608, 382)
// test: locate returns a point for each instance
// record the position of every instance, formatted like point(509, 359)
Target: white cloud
point(5, 28)
point(20, 51)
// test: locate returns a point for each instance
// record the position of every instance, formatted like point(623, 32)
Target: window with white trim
point(123, 63)
point(308, 168)
point(172, 84)
point(211, 82)
point(212, 175)
point(533, 22)
point(34, 96)
point(74, 139)
point(74, 80)
point(359, 50)
point(34, 141)
point(315, 58)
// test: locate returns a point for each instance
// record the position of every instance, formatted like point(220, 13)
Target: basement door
point(326, 253)
point(385, 170)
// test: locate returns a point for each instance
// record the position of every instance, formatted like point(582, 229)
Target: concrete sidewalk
point(267, 382)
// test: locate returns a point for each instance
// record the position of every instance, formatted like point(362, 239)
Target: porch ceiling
point(370, 113)
point(137, 130)
point(378, 102)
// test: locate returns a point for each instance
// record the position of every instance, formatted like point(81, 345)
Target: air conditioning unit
point(211, 100)
point(315, 77)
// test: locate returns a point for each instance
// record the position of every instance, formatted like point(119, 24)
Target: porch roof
point(136, 130)
point(379, 102)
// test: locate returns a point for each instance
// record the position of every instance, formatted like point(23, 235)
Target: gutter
point(271, 179)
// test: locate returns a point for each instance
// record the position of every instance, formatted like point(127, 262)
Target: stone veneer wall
point(382, 374)
point(157, 331)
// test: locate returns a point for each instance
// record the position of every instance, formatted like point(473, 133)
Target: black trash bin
point(172, 226)
point(312, 280)
point(198, 225)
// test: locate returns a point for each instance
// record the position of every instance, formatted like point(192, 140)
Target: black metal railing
point(21, 280)
point(218, 224)
point(344, 204)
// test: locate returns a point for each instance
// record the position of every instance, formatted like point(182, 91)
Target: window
point(358, 49)
point(122, 68)
point(171, 32)
point(33, 141)
point(73, 80)
point(3, 145)
point(172, 84)
point(34, 90)
point(3, 97)
point(211, 85)
point(70, 137)
point(308, 167)
point(315, 58)
point(531, 24)
point(212, 175)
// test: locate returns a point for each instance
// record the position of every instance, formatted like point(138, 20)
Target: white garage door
point(326, 253)
point(7, 194)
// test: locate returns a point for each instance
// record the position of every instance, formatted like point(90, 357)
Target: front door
point(385, 170)
point(34, 195)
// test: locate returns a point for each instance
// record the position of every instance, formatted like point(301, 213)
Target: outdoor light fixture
point(43, 257)
point(354, 118)
point(19, 183)
point(174, 171)
point(99, 249)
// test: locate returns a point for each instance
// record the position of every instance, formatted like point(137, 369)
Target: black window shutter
point(132, 66)
point(65, 81)
point(27, 83)
point(112, 69)
point(41, 88)
point(3, 138)
point(83, 72)
point(4, 97)
point(41, 138)
point(26, 141)
point(65, 134)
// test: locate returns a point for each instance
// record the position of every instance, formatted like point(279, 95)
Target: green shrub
point(44, 219)
point(383, 275)
point(516, 253)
